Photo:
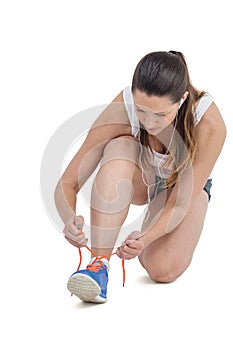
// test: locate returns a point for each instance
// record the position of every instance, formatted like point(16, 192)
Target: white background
point(57, 59)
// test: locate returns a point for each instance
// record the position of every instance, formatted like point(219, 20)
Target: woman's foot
point(90, 285)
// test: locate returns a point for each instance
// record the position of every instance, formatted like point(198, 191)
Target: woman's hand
point(131, 247)
point(73, 231)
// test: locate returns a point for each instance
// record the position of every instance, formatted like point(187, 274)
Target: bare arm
point(112, 123)
point(210, 135)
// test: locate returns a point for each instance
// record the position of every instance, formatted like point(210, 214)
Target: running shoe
point(90, 285)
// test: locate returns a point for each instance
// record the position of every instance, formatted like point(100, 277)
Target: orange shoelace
point(95, 268)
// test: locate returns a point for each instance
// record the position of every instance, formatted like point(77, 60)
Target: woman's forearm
point(65, 200)
point(169, 219)
point(175, 209)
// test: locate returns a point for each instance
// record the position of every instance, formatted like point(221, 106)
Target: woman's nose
point(150, 122)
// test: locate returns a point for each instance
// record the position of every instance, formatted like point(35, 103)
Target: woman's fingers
point(79, 221)
point(130, 249)
point(73, 231)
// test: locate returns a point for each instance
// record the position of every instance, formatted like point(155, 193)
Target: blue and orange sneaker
point(90, 285)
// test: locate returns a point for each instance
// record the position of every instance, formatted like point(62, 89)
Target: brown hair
point(166, 74)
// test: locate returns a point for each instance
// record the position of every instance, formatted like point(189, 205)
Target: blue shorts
point(160, 181)
point(207, 187)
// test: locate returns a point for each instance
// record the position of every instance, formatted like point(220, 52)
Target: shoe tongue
point(98, 262)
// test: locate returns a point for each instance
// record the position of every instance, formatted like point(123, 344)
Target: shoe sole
point(85, 288)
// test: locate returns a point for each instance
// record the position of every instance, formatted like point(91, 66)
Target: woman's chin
point(154, 131)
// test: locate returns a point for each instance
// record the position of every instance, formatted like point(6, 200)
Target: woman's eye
point(155, 115)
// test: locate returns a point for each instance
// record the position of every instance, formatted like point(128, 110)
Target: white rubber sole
point(85, 288)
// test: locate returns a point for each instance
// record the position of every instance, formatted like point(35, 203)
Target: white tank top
point(159, 159)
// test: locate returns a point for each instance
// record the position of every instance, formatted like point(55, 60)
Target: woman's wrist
point(147, 238)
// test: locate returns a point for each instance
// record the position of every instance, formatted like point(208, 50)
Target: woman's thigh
point(168, 257)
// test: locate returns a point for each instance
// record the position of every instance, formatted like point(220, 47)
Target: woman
point(157, 144)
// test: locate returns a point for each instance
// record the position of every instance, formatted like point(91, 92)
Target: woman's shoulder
point(209, 118)
point(114, 116)
point(124, 96)
point(202, 105)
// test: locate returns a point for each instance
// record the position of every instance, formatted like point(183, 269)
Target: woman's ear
point(185, 95)
point(183, 98)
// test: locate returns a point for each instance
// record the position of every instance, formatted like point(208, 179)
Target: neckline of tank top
point(159, 155)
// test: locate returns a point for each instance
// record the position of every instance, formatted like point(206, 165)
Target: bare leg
point(169, 256)
point(117, 184)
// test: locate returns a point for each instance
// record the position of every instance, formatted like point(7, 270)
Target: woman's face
point(155, 113)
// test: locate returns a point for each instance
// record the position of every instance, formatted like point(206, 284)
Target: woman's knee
point(165, 270)
point(113, 185)
point(121, 148)
point(163, 276)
